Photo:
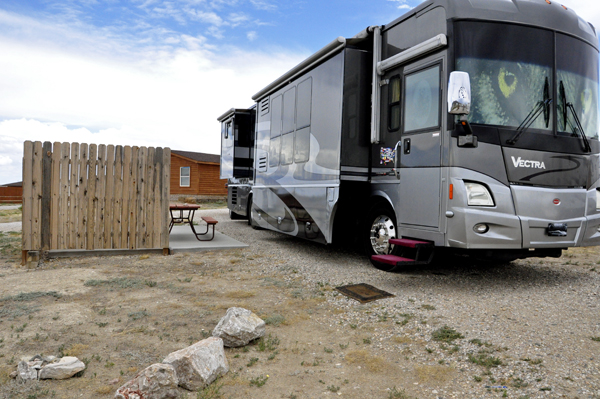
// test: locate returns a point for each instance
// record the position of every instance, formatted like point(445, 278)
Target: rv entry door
point(414, 117)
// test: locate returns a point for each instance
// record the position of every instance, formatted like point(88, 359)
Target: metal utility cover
point(363, 293)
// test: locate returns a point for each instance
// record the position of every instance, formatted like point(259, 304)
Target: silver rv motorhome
point(469, 125)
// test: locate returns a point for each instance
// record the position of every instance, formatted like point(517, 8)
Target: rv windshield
point(577, 78)
point(511, 71)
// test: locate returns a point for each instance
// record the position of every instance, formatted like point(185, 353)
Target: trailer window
point(394, 104)
point(304, 104)
point(422, 100)
point(289, 110)
point(184, 176)
point(302, 147)
point(287, 148)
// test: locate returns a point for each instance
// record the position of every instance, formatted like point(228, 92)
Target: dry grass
point(10, 215)
point(362, 357)
point(397, 339)
point(76, 350)
point(106, 389)
point(434, 374)
point(240, 294)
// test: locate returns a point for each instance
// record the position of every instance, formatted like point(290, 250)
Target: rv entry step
point(409, 253)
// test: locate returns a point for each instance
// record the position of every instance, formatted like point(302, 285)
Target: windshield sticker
point(386, 155)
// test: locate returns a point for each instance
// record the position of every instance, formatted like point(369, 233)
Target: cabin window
point(394, 104)
point(287, 148)
point(184, 176)
point(289, 106)
point(422, 100)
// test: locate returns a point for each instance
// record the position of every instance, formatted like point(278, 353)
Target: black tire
point(249, 211)
point(235, 216)
point(378, 227)
point(254, 226)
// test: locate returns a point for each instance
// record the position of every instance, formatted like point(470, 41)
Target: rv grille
point(264, 107)
point(234, 195)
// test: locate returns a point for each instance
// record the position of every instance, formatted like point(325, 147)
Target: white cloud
point(402, 4)
point(4, 160)
point(98, 88)
point(206, 17)
point(263, 5)
point(252, 35)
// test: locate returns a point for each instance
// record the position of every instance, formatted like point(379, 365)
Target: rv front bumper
point(532, 224)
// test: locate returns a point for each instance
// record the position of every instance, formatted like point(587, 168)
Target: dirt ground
point(121, 314)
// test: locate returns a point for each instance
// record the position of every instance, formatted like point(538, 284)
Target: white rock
point(238, 327)
point(200, 364)
point(65, 368)
point(158, 381)
point(28, 370)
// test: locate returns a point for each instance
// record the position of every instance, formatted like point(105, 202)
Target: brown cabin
point(196, 174)
point(11, 193)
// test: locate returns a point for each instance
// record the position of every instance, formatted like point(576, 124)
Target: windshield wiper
point(543, 105)
point(578, 129)
point(528, 121)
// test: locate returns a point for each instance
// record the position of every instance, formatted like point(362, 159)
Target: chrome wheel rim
point(382, 230)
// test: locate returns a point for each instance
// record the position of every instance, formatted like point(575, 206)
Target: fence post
point(46, 195)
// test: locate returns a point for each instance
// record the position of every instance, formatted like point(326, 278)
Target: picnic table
point(184, 213)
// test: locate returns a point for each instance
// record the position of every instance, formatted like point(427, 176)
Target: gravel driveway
point(531, 326)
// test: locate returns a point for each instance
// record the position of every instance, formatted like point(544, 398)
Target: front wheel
point(379, 227)
point(235, 216)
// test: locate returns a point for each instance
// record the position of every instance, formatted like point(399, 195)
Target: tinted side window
point(276, 117)
point(287, 148)
point(302, 147)
point(275, 131)
point(394, 104)
point(422, 100)
point(289, 108)
point(304, 104)
point(274, 151)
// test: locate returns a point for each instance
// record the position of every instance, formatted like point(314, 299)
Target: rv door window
point(394, 104)
point(422, 100)
point(289, 110)
point(276, 118)
point(287, 148)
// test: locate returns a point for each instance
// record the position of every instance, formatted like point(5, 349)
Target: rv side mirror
point(459, 93)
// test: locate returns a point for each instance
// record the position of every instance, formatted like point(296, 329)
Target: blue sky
point(158, 72)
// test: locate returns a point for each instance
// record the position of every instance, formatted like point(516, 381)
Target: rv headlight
point(478, 195)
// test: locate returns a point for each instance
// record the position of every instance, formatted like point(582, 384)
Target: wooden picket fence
point(80, 196)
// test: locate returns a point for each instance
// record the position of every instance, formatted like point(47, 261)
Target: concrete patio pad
point(183, 240)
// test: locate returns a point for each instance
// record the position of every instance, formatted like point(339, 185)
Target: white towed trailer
point(460, 125)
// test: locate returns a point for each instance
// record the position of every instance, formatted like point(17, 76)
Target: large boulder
point(65, 368)
point(238, 327)
point(200, 364)
point(158, 381)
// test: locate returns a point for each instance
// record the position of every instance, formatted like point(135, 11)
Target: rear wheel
point(378, 228)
